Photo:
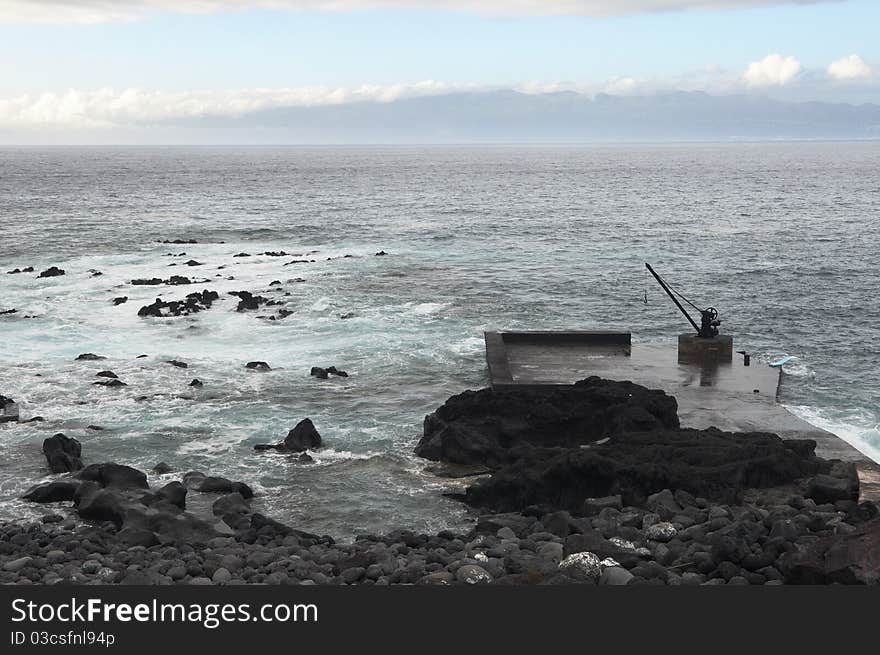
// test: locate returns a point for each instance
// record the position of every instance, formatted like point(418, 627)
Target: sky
point(103, 64)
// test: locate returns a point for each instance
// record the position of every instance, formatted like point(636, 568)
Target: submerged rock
point(89, 357)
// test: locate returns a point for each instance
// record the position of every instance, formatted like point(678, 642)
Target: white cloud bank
point(849, 68)
point(102, 11)
point(104, 108)
point(772, 70)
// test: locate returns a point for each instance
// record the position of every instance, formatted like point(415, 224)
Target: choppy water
point(782, 238)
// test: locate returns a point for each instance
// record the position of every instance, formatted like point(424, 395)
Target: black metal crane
point(709, 320)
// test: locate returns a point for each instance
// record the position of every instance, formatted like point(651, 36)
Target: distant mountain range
point(514, 117)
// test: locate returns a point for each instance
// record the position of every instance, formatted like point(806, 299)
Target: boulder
point(483, 427)
point(217, 485)
point(258, 366)
point(174, 493)
point(233, 509)
point(62, 453)
point(110, 474)
point(107, 374)
point(8, 410)
point(304, 436)
point(52, 492)
point(852, 558)
point(103, 505)
point(828, 489)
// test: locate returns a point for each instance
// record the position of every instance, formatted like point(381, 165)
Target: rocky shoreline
point(596, 483)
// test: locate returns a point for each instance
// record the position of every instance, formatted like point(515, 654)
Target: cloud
point(849, 68)
point(103, 108)
point(102, 11)
point(772, 70)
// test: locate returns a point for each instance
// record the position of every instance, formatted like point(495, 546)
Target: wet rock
point(196, 383)
point(248, 301)
point(233, 509)
point(147, 281)
point(29, 269)
point(320, 373)
point(193, 303)
point(107, 374)
point(52, 492)
point(162, 468)
point(119, 300)
point(179, 241)
point(89, 357)
point(381, 253)
point(177, 363)
point(110, 383)
point(258, 366)
point(52, 271)
point(62, 453)
point(218, 485)
point(304, 436)
point(173, 493)
point(110, 474)
point(8, 410)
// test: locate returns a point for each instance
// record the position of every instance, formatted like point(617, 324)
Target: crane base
point(692, 348)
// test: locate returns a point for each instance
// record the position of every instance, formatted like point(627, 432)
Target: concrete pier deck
point(726, 395)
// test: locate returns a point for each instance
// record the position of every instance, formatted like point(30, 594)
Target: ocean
point(780, 237)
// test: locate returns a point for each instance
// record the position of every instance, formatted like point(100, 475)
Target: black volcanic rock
point(304, 436)
point(52, 492)
point(708, 463)
point(62, 453)
point(110, 383)
point(258, 366)
point(481, 427)
point(110, 474)
point(89, 357)
point(52, 271)
point(193, 303)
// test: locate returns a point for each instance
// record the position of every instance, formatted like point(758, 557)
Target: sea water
point(781, 238)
